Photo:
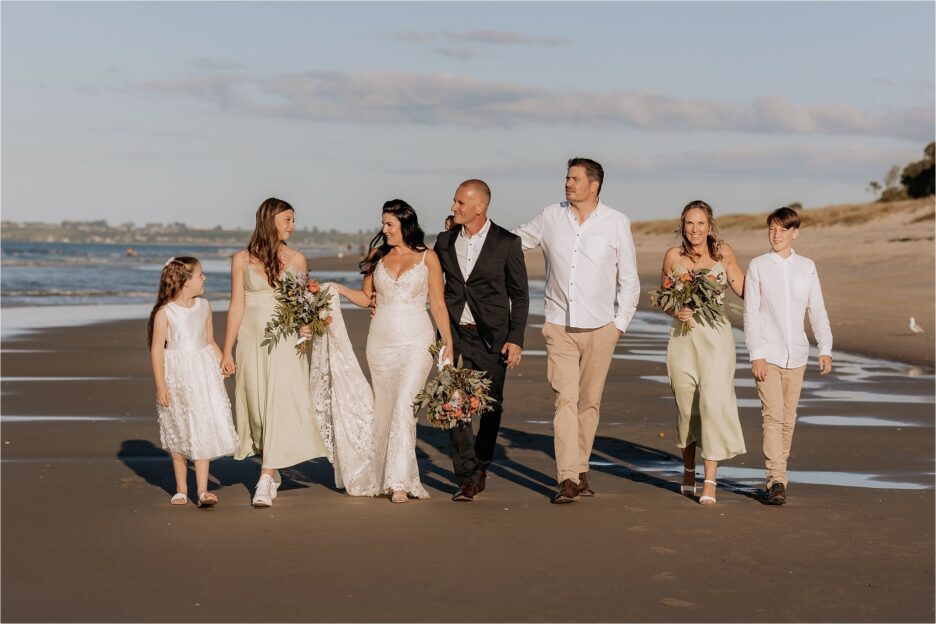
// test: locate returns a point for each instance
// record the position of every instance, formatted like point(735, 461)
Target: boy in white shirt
point(780, 288)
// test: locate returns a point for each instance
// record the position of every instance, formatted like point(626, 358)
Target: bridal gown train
point(373, 442)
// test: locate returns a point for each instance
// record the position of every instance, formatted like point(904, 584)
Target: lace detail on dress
point(410, 288)
point(344, 407)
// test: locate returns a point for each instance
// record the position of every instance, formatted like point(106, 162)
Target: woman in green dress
point(273, 401)
point(701, 362)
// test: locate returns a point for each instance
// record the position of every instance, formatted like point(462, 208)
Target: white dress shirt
point(778, 293)
point(591, 268)
point(467, 249)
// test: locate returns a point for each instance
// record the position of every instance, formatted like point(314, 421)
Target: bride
point(374, 445)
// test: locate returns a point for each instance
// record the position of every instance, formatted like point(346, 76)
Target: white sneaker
point(265, 493)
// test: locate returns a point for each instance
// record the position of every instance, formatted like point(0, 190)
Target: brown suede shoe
point(568, 491)
point(482, 481)
point(776, 495)
point(466, 493)
point(583, 488)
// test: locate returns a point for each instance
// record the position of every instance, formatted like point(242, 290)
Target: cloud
point(488, 37)
point(434, 99)
point(460, 54)
point(783, 161)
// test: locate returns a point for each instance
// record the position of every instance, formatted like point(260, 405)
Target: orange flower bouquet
point(299, 301)
point(455, 395)
point(698, 290)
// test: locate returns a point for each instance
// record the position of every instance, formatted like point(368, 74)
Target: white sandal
point(708, 500)
point(399, 496)
point(688, 490)
point(207, 499)
point(178, 499)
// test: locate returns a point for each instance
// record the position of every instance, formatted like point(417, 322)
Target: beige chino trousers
point(779, 394)
point(577, 363)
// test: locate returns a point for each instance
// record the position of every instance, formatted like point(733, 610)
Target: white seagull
point(916, 329)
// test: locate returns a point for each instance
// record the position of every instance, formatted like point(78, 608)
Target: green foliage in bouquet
point(455, 395)
point(299, 301)
point(698, 290)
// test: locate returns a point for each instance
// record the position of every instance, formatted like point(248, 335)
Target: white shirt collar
point(479, 234)
point(781, 260)
point(572, 215)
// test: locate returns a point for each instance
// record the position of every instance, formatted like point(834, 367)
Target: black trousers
point(473, 453)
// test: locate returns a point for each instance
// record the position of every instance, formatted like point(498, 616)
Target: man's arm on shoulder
point(531, 232)
point(518, 291)
point(628, 286)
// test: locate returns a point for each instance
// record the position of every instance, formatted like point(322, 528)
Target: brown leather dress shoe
point(583, 488)
point(466, 493)
point(568, 491)
point(776, 495)
point(482, 481)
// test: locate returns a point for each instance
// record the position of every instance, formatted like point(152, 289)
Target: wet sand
point(88, 534)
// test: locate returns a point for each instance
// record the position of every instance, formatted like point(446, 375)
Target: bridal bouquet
point(455, 395)
point(299, 301)
point(699, 290)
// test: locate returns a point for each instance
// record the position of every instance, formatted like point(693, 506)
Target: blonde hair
point(712, 239)
point(174, 275)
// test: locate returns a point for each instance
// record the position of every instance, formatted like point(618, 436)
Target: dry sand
point(88, 535)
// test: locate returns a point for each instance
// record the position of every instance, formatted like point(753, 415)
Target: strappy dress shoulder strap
point(423, 259)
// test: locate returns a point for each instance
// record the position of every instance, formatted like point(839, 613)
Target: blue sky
point(196, 112)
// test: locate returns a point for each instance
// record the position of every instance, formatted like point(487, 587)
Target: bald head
point(479, 189)
point(470, 205)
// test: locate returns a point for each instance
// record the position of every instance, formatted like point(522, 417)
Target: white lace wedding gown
point(373, 442)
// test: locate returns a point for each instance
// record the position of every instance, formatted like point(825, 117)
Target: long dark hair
point(413, 236)
point(712, 239)
point(173, 277)
point(264, 242)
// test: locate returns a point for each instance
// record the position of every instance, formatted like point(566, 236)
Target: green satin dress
point(273, 399)
point(701, 368)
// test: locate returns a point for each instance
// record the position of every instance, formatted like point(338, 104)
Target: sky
point(197, 112)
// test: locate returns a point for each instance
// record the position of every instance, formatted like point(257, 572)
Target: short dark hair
point(785, 217)
point(593, 169)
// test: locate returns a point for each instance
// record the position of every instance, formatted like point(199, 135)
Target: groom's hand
point(512, 353)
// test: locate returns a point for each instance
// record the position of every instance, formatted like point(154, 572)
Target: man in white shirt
point(591, 295)
point(780, 288)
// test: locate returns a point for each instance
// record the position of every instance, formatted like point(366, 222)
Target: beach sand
point(875, 274)
point(88, 534)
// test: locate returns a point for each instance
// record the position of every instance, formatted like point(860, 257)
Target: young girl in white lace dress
point(194, 410)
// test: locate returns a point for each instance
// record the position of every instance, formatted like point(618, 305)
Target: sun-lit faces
point(285, 223)
point(392, 230)
point(696, 227)
point(781, 238)
point(467, 205)
point(579, 189)
point(195, 285)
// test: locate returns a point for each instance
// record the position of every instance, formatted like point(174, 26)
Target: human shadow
point(154, 465)
point(638, 463)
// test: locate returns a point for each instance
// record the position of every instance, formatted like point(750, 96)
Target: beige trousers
point(779, 394)
point(577, 363)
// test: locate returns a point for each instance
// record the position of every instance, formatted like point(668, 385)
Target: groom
point(487, 298)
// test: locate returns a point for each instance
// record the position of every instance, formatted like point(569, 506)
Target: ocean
point(56, 274)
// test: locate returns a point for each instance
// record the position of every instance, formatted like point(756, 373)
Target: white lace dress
point(198, 422)
point(399, 361)
point(372, 437)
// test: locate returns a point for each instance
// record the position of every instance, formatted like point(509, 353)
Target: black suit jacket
point(496, 292)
